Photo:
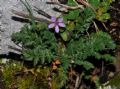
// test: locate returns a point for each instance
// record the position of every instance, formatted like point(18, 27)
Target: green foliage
point(80, 50)
point(115, 81)
point(80, 22)
point(71, 3)
point(15, 76)
point(38, 44)
point(59, 79)
point(73, 15)
point(25, 82)
point(73, 46)
point(9, 70)
point(101, 9)
point(84, 20)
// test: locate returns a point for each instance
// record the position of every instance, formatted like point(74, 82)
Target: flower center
point(56, 23)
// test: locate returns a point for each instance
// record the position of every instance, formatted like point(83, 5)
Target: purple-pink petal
point(53, 19)
point(61, 24)
point(52, 25)
point(56, 29)
point(60, 19)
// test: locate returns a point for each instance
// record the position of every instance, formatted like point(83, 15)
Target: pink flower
point(56, 23)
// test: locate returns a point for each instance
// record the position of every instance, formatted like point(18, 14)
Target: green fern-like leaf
point(39, 46)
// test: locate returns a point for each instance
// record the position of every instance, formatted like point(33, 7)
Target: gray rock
point(9, 26)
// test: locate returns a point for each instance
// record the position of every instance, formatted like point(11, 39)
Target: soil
point(114, 29)
point(114, 24)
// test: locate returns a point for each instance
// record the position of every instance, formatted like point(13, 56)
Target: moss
point(17, 75)
point(59, 79)
point(25, 82)
point(42, 77)
point(115, 81)
point(9, 70)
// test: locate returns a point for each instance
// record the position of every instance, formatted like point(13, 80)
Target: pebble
point(5, 60)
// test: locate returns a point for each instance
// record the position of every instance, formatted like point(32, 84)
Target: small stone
point(4, 60)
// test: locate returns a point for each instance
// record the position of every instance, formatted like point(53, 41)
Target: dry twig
point(24, 15)
point(66, 6)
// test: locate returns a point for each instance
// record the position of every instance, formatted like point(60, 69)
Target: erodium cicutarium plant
point(67, 42)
